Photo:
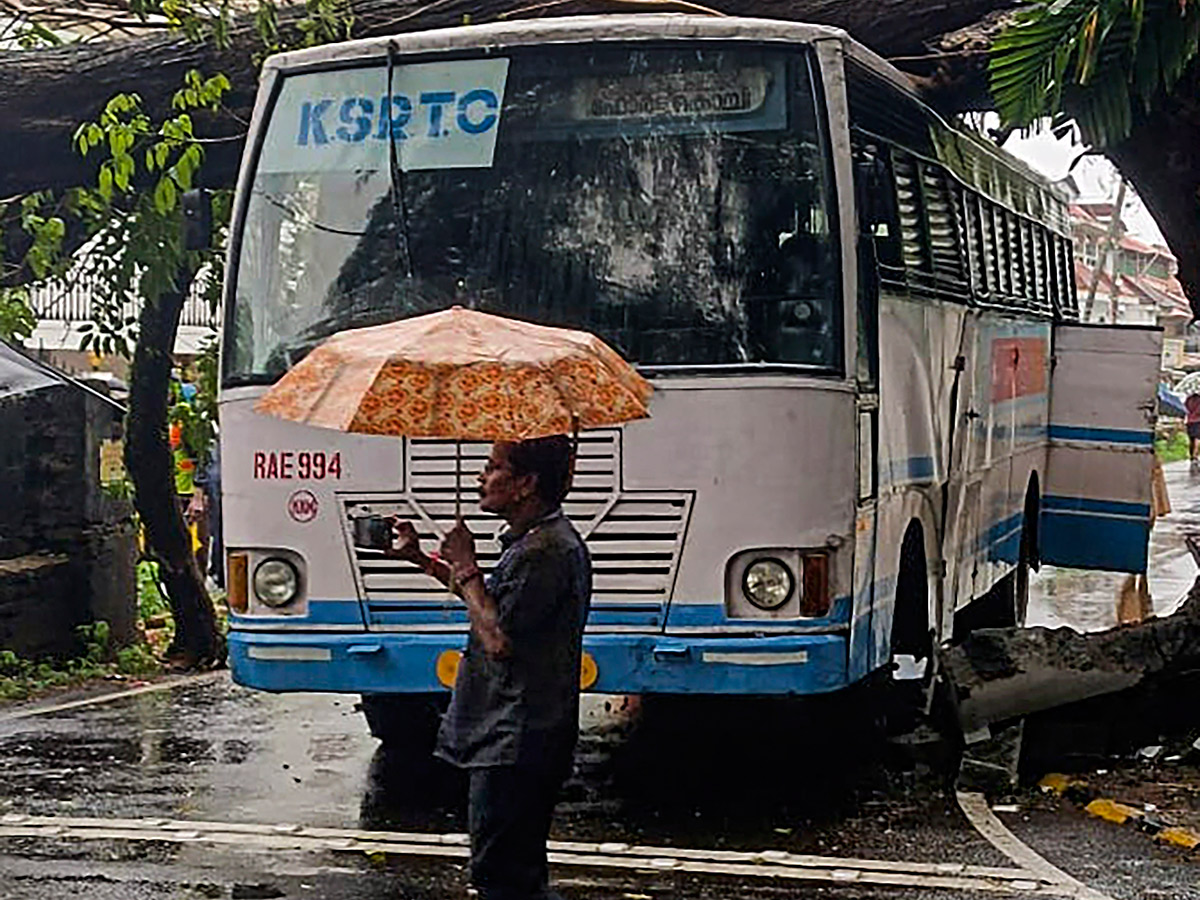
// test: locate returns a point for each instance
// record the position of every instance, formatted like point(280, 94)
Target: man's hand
point(406, 545)
point(458, 547)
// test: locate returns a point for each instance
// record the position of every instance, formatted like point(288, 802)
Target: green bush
point(150, 599)
point(19, 677)
point(1172, 448)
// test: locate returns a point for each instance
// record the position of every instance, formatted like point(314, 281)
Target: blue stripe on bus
point(1090, 505)
point(408, 612)
point(1107, 435)
point(693, 615)
point(320, 612)
point(1094, 541)
point(914, 468)
point(638, 663)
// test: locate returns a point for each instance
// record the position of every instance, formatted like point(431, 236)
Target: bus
point(875, 405)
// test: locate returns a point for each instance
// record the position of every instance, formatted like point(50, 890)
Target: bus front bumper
point(625, 663)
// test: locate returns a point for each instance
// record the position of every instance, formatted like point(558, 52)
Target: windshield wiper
point(304, 219)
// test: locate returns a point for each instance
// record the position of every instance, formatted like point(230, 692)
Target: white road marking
point(770, 864)
point(179, 681)
point(975, 807)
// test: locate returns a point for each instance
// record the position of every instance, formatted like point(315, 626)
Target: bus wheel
point(405, 722)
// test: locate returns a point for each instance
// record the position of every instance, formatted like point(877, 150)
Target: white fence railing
point(73, 303)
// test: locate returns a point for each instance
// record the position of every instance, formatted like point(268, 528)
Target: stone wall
point(67, 547)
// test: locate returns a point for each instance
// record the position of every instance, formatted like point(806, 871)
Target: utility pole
point(1102, 257)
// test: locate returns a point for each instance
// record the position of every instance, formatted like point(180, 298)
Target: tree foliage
point(1096, 61)
point(133, 211)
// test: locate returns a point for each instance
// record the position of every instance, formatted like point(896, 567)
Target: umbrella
point(1188, 384)
point(1169, 403)
point(463, 375)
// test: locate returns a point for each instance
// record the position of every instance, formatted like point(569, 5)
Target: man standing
point(514, 716)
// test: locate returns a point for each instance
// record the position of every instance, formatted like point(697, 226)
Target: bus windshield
point(674, 201)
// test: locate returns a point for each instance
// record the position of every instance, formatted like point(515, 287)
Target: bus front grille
point(634, 537)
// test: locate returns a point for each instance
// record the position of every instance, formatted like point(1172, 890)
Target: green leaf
point(165, 195)
point(105, 183)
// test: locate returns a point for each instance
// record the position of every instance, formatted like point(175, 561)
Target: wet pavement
point(811, 777)
point(799, 777)
point(1087, 600)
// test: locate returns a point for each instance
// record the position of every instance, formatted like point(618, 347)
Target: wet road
point(788, 777)
point(1087, 601)
point(801, 778)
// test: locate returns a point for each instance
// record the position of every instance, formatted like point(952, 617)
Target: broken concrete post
point(1000, 674)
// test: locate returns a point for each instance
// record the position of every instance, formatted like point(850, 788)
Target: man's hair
point(549, 458)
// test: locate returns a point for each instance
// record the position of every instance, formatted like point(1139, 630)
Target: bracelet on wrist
point(467, 575)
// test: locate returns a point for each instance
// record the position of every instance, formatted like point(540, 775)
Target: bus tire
point(407, 722)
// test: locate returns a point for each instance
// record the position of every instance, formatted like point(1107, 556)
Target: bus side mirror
point(197, 219)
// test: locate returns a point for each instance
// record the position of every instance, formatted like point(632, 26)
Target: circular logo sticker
point(302, 506)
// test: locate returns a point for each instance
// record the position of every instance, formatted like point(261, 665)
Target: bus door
point(877, 243)
point(1095, 507)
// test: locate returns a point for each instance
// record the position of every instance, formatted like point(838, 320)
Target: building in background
point(1135, 281)
point(62, 307)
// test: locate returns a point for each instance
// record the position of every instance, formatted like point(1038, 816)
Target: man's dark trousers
point(509, 817)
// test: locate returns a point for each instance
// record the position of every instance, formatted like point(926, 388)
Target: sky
point(1096, 177)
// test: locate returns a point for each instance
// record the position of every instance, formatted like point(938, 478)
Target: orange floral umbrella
point(462, 375)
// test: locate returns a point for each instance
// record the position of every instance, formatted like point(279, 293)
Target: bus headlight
point(768, 583)
point(276, 582)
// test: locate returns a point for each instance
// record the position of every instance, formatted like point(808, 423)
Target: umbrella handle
point(458, 481)
point(457, 504)
point(574, 454)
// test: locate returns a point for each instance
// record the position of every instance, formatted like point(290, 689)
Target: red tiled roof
point(1165, 293)
point(1083, 280)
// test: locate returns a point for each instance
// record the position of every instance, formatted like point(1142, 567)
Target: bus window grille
point(1012, 255)
point(977, 263)
point(945, 233)
point(1003, 276)
point(1033, 290)
point(635, 537)
point(912, 232)
point(1045, 267)
point(1053, 289)
point(1070, 298)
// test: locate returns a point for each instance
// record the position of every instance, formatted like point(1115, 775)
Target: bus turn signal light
point(814, 595)
point(239, 582)
point(588, 671)
point(447, 666)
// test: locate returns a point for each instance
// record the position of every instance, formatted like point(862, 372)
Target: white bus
point(875, 408)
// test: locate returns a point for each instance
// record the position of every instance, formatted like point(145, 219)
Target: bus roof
point(642, 27)
point(562, 30)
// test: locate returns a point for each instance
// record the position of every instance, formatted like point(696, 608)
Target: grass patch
point(21, 678)
point(1172, 448)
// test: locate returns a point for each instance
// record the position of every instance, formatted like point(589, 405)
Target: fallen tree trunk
point(942, 43)
point(49, 92)
point(1000, 674)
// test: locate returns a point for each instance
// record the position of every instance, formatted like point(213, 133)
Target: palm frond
point(1094, 58)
